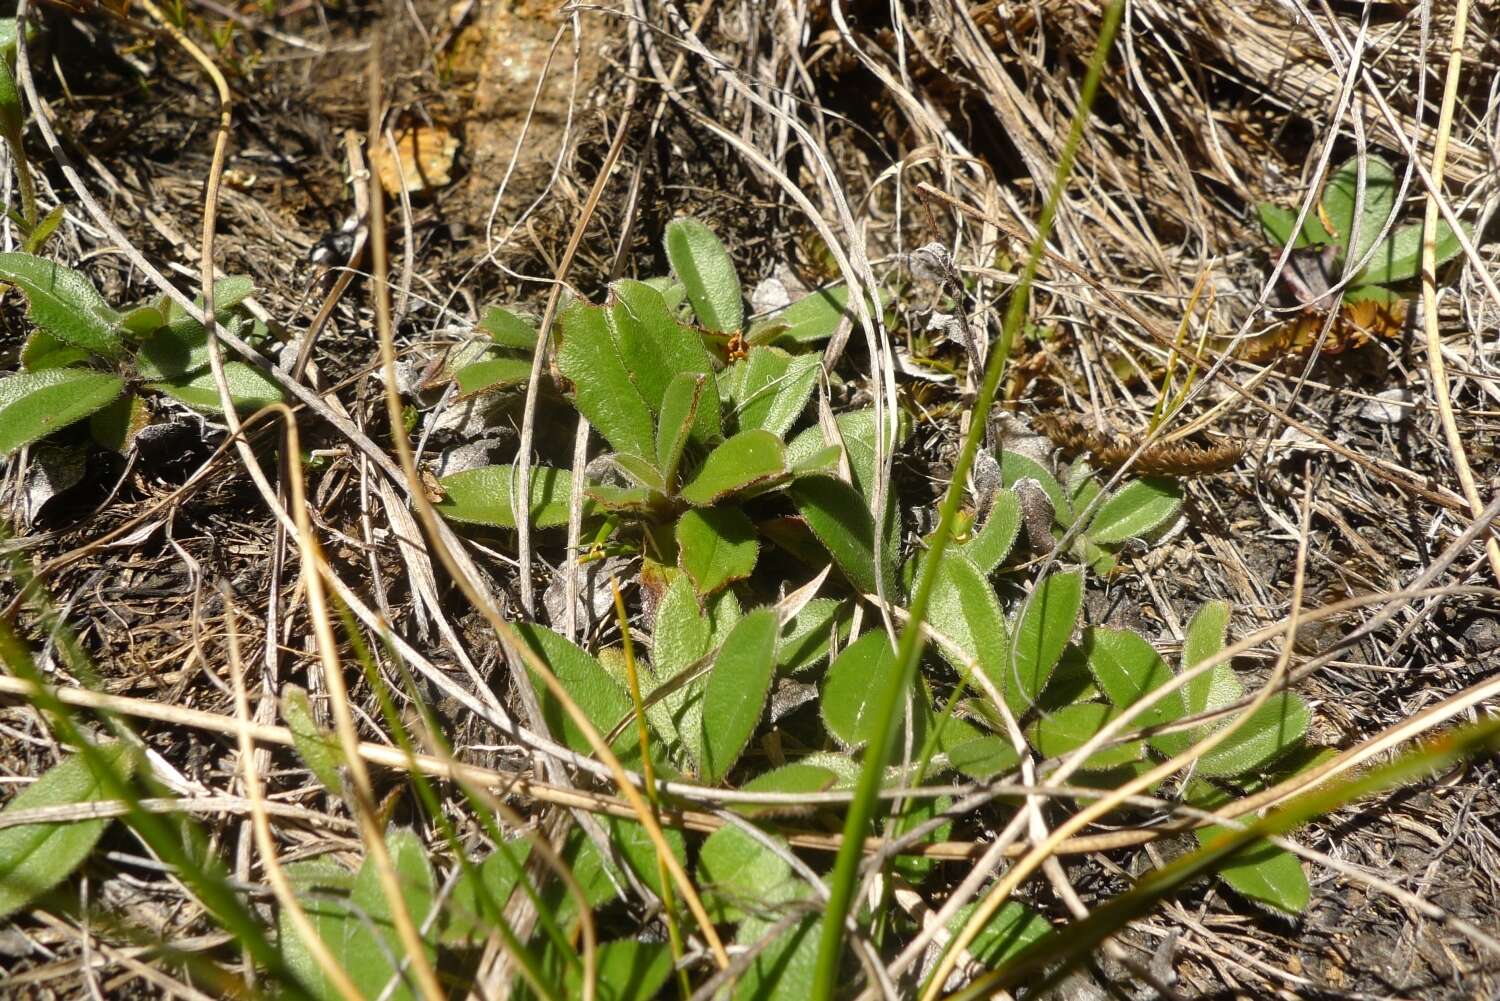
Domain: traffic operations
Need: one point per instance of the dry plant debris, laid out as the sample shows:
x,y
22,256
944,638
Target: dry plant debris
x,y
494,592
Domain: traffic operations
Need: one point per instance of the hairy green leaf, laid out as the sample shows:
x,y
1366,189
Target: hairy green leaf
x,y
492,373
679,410
1012,929
1273,729
988,546
656,347
794,779
248,388
850,690
813,318
34,404
735,693
64,303
740,876
1340,195
1263,874
805,637
483,496
318,749
840,519
603,388
508,329
1042,633
36,857
628,970
705,269
1065,730
750,460
1127,668
716,547
769,388
1136,509
783,970
963,608
601,699
42,350
116,425
481,891
1399,257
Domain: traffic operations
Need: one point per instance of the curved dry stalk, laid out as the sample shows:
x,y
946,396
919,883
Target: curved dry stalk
x,y
1435,365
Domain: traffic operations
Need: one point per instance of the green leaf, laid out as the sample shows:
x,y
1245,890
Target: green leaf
x,y
116,426
704,267
865,668
916,868
600,698
1339,197
810,319
805,637
1276,223
1045,627
993,542
656,347
740,876
840,519
34,404
1263,874
856,430
481,891
492,373
679,411
793,779
36,857
318,749
783,970
248,388
749,460
628,970
603,389
42,350
1015,467
1127,668
352,916
769,388
735,693
627,839
716,547
983,757
1067,729
482,496
64,303
508,329
1011,930
1203,638
1136,509
1273,729
680,637
1399,258
962,607
173,351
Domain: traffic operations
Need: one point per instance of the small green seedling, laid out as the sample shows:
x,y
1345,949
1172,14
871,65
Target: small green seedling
x,y
86,360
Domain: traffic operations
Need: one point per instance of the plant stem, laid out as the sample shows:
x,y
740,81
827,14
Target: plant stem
x,y
909,649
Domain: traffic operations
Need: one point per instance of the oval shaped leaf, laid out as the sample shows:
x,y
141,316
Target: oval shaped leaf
x,y
248,388
656,347
840,519
600,698
508,329
736,691
492,373
679,409
1064,731
963,608
36,857
1271,731
769,389
1399,258
716,547
34,404
1138,508
64,303
318,749
812,318
1127,668
603,389
794,779
750,460
1045,627
741,876
994,540
1341,193
865,668
705,269
482,496
1263,874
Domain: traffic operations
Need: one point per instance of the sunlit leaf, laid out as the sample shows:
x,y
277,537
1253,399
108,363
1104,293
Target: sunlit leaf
x,y
1341,193
994,540
1263,874
749,460
1128,668
508,329
248,388
1135,510
480,893
601,699
492,373
1013,927
716,547
318,749
1271,731
1015,467
64,303
769,389
783,971
679,409
812,318
855,680
740,876
36,857
483,496
805,638
840,519
735,693
1045,627
1065,730
705,269
794,779
34,404
1399,257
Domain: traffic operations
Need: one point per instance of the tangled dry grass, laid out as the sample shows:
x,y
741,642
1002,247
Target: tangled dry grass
x,y
818,141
